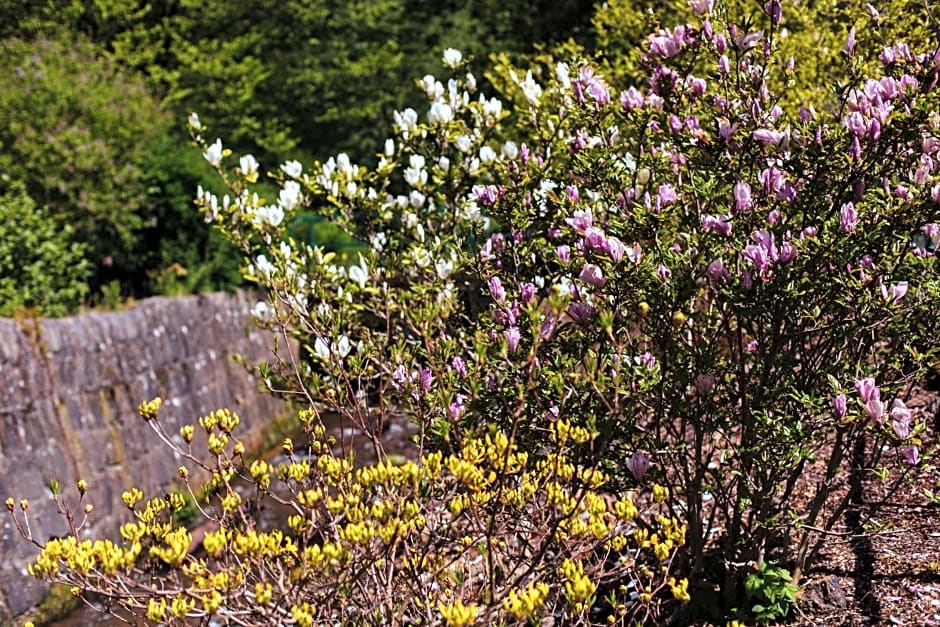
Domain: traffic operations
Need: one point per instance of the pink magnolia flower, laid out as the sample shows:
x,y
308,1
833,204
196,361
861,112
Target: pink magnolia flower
x,y
768,136
742,196
592,85
717,224
594,239
701,7
875,410
592,275
527,292
910,454
614,248
747,41
581,221
426,379
496,289
900,419
667,194
638,464
580,312
850,42
631,99
839,405
456,408
716,270
512,338
894,293
849,218
867,389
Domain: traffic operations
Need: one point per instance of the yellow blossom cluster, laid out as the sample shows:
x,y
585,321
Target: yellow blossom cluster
x,y
418,538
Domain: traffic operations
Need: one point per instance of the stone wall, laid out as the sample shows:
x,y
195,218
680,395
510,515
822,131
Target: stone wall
x,y
69,389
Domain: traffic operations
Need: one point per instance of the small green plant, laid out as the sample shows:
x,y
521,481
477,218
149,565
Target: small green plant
x,y
110,297
772,590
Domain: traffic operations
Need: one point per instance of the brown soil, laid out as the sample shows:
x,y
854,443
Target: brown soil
x,y
881,566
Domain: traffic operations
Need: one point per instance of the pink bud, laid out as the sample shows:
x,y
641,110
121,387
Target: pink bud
x,y
638,464
496,289
512,339
867,389
910,454
839,405
900,419
875,410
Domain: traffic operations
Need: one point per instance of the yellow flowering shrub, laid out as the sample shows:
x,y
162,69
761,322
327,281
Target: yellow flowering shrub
x,y
486,535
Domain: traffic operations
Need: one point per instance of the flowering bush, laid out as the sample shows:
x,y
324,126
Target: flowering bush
x,y
713,291
485,535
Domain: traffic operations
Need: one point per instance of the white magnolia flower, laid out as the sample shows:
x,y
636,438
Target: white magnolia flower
x,y
452,58
406,120
487,154
563,74
440,113
213,154
471,211
378,241
422,257
290,195
292,169
433,88
321,349
194,124
443,163
492,107
471,81
249,167
444,268
414,177
464,143
531,89
389,147
272,214
262,311
416,199
344,165
265,267
510,150
359,274
343,346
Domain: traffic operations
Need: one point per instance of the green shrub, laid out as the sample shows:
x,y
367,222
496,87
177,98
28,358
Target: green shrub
x,y
75,130
42,268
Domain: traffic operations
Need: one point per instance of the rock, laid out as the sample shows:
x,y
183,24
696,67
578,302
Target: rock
x,y
823,596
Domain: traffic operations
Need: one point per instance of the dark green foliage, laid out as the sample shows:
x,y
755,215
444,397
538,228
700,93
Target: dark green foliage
x,y
299,78
177,252
41,267
74,128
